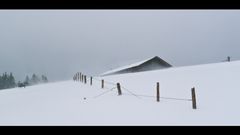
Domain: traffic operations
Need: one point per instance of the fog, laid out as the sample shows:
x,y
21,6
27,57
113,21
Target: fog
x,y
59,43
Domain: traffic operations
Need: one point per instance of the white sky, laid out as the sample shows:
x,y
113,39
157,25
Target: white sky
x,y
59,43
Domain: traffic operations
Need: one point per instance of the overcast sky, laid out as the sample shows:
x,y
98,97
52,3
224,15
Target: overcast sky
x,y
59,43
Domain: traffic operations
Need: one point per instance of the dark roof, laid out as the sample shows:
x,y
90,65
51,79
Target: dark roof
x,y
153,59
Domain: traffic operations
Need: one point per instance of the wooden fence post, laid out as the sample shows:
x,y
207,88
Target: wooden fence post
x,y
158,92
119,89
85,79
91,80
80,79
194,104
102,83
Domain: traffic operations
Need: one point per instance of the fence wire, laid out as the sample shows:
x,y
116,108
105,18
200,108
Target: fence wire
x,y
104,92
126,89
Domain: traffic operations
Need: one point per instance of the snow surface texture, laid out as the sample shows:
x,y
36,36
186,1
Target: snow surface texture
x,y
75,103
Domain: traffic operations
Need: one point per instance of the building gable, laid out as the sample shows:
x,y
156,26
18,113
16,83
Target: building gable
x,y
150,64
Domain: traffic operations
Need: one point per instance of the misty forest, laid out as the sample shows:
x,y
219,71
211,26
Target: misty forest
x,y
8,81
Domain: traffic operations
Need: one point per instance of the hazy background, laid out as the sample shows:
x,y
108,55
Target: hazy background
x,y
59,43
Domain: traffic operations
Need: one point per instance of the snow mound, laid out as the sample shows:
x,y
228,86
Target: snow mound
x,y
75,103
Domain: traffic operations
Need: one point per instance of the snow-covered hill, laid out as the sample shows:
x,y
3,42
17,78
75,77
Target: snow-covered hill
x,y
75,103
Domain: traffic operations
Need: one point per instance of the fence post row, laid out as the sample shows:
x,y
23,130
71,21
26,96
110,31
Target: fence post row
x,y
119,89
194,104
83,78
158,92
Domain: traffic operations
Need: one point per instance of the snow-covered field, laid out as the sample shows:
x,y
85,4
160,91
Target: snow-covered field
x,y
62,103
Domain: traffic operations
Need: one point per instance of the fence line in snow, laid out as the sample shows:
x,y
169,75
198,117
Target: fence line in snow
x,y
84,79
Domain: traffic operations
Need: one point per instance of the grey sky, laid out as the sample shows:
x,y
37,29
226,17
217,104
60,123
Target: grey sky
x,y
59,43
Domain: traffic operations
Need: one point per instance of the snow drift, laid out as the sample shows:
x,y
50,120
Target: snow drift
x,y
75,103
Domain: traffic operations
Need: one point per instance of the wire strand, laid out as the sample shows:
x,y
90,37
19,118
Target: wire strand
x,y
104,93
131,93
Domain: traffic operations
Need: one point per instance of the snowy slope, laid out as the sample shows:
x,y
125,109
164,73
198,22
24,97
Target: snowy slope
x,y
62,103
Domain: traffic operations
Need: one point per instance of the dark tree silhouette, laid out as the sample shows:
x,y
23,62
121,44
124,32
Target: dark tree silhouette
x,y
27,81
7,81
